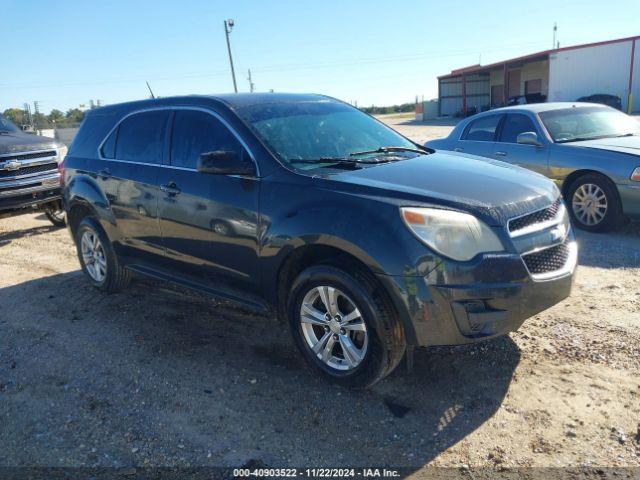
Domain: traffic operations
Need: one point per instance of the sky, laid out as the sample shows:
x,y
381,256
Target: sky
x,y
65,52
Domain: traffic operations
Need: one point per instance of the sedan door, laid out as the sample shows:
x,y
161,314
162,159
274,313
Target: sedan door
x,y
209,222
507,148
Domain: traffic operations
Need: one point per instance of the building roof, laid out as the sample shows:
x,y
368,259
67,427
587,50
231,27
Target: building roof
x,y
533,56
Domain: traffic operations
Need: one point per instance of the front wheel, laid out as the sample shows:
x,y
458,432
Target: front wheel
x,y
343,327
56,215
594,203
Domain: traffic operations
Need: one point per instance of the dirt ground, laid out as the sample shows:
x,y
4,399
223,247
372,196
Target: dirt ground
x,y
156,376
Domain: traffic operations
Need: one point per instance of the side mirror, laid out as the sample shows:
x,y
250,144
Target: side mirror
x,y
222,162
529,138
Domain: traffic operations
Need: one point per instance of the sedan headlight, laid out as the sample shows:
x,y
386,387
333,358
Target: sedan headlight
x,y
456,235
635,176
62,152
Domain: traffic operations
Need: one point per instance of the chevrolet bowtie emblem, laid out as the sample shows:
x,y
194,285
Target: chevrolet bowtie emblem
x,y
12,165
558,233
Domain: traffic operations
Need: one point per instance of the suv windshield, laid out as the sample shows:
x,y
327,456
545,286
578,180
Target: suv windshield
x,y
588,123
320,131
6,125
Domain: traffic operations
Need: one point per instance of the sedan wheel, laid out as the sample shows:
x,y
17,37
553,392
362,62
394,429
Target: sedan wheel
x,y
333,328
595,203
93,256
589,204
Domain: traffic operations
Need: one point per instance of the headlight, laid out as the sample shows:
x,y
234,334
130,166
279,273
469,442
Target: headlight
x,y
456,235
62,152
636,175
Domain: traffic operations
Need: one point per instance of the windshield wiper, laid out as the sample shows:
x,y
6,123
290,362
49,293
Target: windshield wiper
x,y
350,161
389,150
581,139
625,135
595,137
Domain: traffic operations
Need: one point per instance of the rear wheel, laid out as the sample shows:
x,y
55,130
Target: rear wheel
x,y
594,203
343,327
97,258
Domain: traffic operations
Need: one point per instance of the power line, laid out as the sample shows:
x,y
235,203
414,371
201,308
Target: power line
x,y
275,68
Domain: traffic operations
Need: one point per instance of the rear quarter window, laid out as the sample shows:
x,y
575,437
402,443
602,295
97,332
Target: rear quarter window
x,y
94,128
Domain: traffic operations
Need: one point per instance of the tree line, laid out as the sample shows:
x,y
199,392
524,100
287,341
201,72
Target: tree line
x,y
405,107
55,119
73,117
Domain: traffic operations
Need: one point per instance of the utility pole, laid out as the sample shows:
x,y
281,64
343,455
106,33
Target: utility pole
x,y
36,112
252,86
228,25
28,117
555,35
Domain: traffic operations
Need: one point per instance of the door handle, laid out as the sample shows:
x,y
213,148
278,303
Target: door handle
x,y
104,174
170,189
501,154
458,149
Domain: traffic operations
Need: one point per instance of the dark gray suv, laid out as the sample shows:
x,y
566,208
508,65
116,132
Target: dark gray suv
x,y
304,207
29,177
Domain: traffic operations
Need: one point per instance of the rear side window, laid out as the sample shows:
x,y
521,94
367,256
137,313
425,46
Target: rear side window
x,y
514,125
195,133
482,129
141,137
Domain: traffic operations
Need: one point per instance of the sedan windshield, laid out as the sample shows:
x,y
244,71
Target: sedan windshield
x,y
6,125
588,123
321,132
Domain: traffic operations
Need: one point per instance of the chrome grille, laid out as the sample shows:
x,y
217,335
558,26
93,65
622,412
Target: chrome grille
x,y
548,260
534,218
28,156
30,170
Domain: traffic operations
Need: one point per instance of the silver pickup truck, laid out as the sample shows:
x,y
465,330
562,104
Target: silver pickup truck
x,y
29,176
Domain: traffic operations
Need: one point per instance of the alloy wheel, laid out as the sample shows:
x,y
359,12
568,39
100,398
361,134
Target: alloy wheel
x,y
93,255
589,204
333,328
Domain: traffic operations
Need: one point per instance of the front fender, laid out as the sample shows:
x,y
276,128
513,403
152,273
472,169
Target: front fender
x,y
563,161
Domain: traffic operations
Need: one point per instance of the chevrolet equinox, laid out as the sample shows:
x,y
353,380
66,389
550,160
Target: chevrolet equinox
x,y
367,244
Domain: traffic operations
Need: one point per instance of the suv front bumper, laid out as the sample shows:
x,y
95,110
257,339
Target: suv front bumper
x,y
459,303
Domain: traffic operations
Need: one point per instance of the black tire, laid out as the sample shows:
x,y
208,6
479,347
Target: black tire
x,y
116,277
386,340
56,215
613,216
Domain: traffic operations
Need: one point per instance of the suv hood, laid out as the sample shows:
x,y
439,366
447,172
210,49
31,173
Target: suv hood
x,y
628,145
492,190
16,142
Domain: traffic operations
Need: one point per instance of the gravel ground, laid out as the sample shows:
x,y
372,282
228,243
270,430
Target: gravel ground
x,y
156,376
